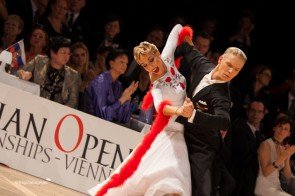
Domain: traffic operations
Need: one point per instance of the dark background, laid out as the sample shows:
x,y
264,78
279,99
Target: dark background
x,y
273,34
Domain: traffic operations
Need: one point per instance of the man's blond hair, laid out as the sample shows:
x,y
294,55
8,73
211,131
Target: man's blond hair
x,y
237,52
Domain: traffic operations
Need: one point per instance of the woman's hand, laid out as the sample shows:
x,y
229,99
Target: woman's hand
x,y
288,151
186,110
128,92
24,75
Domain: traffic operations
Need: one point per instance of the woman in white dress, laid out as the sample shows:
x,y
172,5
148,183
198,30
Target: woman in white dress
x,y
274,157
163,168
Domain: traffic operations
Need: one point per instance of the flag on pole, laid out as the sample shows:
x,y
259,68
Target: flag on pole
x,y
18,54
5,58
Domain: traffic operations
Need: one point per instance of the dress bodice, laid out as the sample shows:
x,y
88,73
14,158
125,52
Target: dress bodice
x,y
170,86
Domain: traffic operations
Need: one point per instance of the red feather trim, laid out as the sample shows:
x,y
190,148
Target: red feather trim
x,y
147,101
132,164
186,31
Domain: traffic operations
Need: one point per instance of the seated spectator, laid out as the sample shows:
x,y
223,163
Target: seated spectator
x,y
242,36
105,96
77,21
242,95
245,137
285,99
55,22
108,38
79,61
37,43
202,42
274,156
13,27
31,11
99,65
58,82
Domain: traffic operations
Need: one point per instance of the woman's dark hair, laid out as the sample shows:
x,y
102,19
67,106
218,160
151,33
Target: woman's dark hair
x,y
42,28
285,120
59,42
113,17
113,54
260,69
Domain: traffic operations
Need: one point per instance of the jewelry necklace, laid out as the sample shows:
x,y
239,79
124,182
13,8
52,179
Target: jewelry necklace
x,y
276,141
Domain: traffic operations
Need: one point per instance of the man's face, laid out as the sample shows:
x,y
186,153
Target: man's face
x,y
156,37
229,65
255,112
77,5
202,44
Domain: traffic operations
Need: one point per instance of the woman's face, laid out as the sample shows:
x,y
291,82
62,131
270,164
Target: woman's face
x,y
112,28
282,131
11,27
79,57
60,9
119,64
264,77
38,39
61,57
152,63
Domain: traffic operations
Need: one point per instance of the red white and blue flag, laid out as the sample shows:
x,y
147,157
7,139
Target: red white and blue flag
x,y
18,54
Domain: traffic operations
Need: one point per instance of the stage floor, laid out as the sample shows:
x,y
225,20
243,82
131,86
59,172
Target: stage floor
x,y
17,183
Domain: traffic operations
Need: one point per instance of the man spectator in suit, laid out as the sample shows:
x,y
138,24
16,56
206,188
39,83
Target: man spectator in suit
x,y
246,135
76,20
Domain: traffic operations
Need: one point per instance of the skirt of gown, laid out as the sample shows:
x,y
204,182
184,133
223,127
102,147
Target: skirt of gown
x,y
163,169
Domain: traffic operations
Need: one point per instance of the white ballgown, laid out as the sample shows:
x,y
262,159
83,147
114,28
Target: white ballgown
x,y
165,167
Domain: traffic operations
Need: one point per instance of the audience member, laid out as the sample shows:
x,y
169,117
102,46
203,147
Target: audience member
x,y
76,20
13,27
58,82
99,64
37,43
257,88
274,156
285,100
105,96
245,137
79,61
31,11
202,42
242,36
55,22
109,38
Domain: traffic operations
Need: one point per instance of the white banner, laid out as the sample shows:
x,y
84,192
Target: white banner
x,y
55,142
